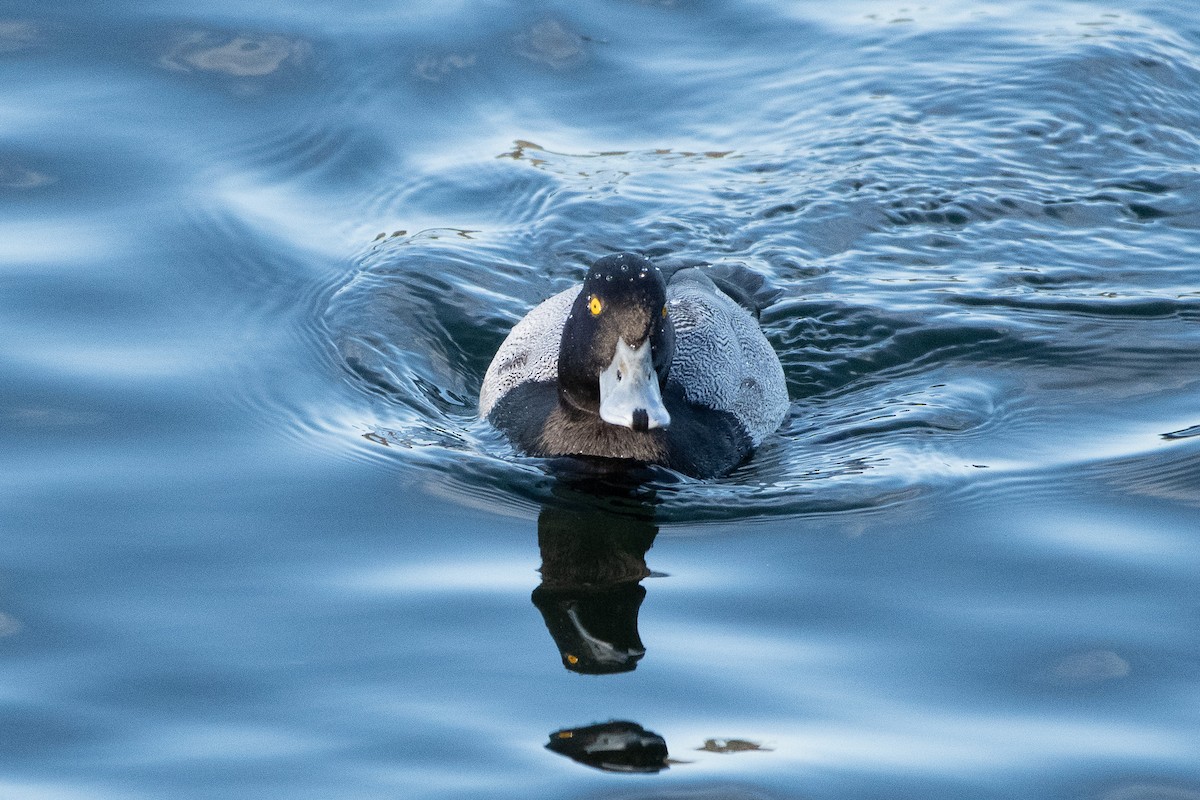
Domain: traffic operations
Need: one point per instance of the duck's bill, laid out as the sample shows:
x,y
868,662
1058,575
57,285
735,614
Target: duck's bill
x,y
629,393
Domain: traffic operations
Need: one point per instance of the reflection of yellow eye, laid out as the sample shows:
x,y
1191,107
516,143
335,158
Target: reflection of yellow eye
x,y
595,306
664,312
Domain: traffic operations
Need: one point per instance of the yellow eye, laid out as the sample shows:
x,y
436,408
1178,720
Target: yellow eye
x,y
664,312
595,306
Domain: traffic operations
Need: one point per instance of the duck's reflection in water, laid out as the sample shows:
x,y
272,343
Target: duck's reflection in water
x,y
615,746
593,539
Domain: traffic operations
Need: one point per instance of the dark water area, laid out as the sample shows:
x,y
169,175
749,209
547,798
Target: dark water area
x,y
254,261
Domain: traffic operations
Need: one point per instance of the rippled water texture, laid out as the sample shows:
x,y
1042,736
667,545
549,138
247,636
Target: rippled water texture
x,y
255,261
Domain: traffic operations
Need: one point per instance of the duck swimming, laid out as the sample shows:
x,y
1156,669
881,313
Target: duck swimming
x,y
630,365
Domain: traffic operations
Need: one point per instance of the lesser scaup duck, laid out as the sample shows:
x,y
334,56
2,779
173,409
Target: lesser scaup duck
x,y
630,366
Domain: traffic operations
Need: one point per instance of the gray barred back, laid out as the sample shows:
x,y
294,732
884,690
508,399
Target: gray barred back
x,y
530,352
722,360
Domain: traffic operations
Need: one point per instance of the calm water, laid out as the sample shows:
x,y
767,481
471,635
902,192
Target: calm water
x,y
255,258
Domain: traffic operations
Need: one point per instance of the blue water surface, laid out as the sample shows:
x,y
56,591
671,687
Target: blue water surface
x,y
254,261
